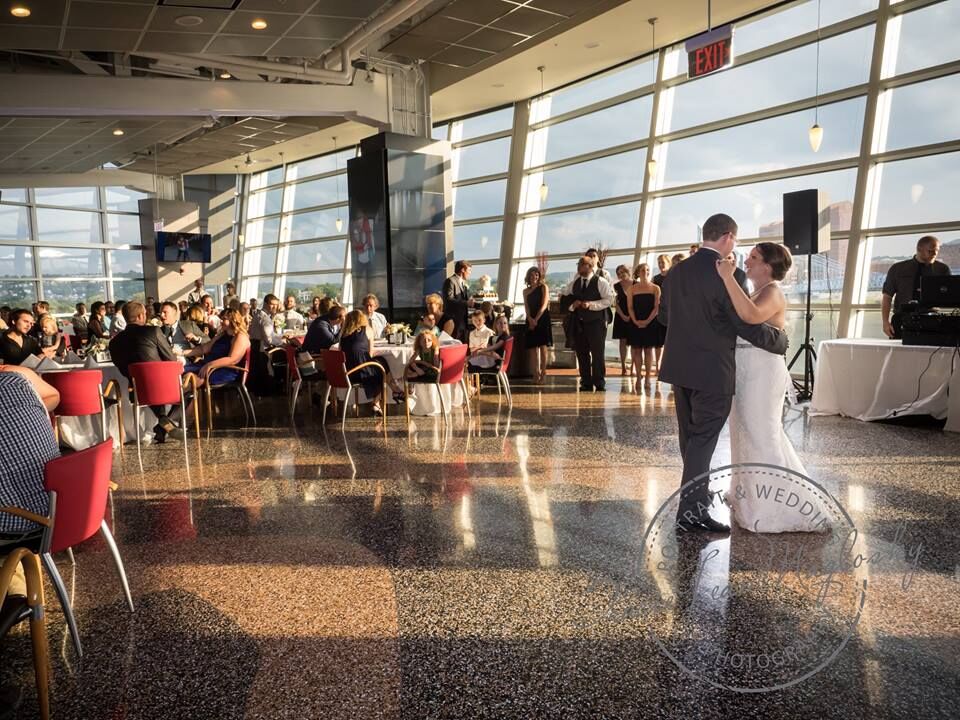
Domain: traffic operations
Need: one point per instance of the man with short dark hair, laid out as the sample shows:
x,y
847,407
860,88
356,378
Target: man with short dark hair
x,y
588,296
80,322
903,282
324,332
594,256
456,298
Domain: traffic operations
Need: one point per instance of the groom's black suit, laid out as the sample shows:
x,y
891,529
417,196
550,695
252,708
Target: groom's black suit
x,y
699,361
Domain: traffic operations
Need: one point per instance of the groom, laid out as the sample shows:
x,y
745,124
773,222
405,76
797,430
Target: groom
x,y
699,359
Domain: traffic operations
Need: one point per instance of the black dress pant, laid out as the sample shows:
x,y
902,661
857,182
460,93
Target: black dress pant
x,y
701,415
589,346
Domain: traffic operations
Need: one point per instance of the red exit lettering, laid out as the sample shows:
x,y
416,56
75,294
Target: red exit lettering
x,y
709,58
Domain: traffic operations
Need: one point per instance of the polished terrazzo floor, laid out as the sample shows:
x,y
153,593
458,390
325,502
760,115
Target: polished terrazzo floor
x,y
491,571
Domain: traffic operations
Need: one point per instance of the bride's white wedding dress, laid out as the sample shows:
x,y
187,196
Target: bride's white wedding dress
x,y
757,436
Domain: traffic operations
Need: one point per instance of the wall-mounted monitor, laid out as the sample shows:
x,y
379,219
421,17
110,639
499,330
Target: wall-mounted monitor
x,y
182,247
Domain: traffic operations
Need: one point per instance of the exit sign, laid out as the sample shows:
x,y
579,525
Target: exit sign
x,y
710,52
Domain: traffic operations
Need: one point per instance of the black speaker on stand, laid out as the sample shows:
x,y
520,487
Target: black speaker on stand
x,y
806,231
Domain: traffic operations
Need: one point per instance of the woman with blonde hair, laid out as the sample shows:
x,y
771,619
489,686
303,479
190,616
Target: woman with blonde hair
x,y
355,345
228,347
644,304
51,339
434,304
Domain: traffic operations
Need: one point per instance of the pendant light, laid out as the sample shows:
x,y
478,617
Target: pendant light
x,y
652,158
544,188
816,132
336,167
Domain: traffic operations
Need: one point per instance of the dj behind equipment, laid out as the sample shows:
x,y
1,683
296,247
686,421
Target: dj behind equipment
x,y
935,319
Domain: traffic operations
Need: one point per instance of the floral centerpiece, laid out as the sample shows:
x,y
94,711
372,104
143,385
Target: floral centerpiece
x,y
279,322
397,333
155,322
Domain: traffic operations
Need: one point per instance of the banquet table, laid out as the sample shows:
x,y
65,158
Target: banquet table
x,y
870,379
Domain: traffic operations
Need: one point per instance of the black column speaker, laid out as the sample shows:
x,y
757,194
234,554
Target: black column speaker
x,y
806,222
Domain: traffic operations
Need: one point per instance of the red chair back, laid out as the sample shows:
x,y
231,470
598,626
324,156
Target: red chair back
x,y
335,364
507,353
80,392
81,481
453,359
292,366
156,382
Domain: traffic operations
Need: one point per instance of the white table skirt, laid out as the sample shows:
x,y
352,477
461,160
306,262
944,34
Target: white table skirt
x,y
870,379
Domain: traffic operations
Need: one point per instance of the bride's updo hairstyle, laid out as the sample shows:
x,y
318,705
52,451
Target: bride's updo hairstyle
x,y
777,256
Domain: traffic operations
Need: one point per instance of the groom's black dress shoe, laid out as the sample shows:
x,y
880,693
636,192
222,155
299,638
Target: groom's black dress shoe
x,y
704,524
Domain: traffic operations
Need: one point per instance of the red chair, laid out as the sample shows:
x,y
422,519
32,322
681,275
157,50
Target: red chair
x,y
338,378
78,485
503,382
296,378
453,362
80,395
240,385
159,382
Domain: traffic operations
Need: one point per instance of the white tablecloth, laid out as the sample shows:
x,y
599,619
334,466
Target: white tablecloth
x,y
871,379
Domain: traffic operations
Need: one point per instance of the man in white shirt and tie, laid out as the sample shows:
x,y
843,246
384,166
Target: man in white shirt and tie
x,y
587,298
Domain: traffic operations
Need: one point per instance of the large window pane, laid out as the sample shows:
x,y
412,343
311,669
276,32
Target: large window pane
x,y
757,208
123,199
477,273
928,36
13,195
304,287
79,197
18,294
441,131
773,144
793,21
327,255
14,223
924,113
320,165
262,232
486,124
486,158
608,85
67,226
16,261
826,276
920,190
127,290
126,263
617,125
260,180
480,241
324,191
63,295
267,202
260,261
480,200
599,179
123,229
822,327
613,226
316,224
256,288
775,80
70,262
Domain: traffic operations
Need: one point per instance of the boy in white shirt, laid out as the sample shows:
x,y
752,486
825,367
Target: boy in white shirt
x,y
480,358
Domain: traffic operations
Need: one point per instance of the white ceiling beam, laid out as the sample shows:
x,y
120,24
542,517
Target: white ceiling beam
x,y
139,180
70,96
85,64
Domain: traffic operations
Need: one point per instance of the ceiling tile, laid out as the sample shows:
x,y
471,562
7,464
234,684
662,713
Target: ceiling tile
x,y
460,56
301,47
526,21
173,42
103,15
443,28
478,11
165,19
310,26
564,7
35,38
239,45
108,40
45,12
239,24
228,4
348,8
291,6
492,40
415,47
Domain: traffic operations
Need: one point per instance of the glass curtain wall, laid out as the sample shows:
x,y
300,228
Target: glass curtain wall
x,y
70,245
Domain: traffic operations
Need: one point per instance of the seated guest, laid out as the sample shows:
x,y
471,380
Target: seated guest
x,y
355,344
52,343
198,318
486,308
434,305
183,306
427,322
108,318
210,313
119,322
228,347
315,312
501,326
376,321
79,321
293,320
26,444
480,358
39,309
263,334
424,365
140,342
182,334
97,329
4,315
16,343
324,332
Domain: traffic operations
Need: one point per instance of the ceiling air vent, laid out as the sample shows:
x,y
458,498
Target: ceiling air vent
x,y
202,4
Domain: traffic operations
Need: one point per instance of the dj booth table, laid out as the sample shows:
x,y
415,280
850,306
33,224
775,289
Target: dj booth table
x,y
872,379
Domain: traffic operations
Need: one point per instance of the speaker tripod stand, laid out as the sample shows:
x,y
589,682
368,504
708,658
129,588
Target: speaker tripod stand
x,y
805,388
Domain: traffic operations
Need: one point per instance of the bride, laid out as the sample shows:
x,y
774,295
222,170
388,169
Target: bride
x,y
756,429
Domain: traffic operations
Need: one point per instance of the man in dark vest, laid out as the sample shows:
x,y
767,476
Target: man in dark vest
x,y
456,298
587,297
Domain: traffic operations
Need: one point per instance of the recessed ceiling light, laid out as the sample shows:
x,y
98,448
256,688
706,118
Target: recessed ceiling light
x,y
189,20
224,75
20,11
259,24
118,132
592,45
497,85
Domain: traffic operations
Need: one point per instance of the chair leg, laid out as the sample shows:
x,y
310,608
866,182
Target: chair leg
x,y
466,397
120,431
108,536
196,413
253,412
346,406
246,410
38,634
73,560
506,387
443,406
183,415
326,399
136,421
406,402
64,599
103,425
294,393
209,405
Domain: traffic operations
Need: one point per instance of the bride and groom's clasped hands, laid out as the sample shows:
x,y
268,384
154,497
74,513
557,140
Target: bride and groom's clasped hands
x,y
724,356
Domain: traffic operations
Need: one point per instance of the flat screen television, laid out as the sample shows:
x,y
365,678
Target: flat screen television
x,y
182,247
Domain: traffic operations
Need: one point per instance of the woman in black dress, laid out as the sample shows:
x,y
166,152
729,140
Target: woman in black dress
x,y
644,299
663,262
621,319
355,344
536,302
